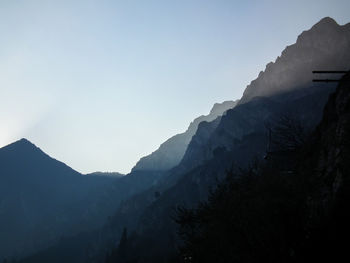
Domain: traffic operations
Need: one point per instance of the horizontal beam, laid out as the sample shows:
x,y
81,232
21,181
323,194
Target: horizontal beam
x,y
331,71
326,80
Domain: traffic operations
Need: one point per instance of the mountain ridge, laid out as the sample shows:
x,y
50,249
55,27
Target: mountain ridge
x,y
314,54
289,77
23,146
170,153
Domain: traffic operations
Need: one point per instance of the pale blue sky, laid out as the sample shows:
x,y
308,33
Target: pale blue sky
x,y
99,84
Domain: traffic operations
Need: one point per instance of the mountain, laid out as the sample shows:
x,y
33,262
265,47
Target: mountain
x,y
37,196
170,153
295,201
43,200
324,47
284,91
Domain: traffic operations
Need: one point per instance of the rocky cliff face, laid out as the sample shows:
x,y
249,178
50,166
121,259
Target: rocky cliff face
x,y
332,152
170,153
324,47
285,87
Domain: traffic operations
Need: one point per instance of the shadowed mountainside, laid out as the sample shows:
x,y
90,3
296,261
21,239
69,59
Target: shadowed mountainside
x,y
308,185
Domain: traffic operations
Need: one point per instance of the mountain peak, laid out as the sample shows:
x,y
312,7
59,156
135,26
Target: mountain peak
x,y
323,46
327,27
219,108
24,141
23,145
326,21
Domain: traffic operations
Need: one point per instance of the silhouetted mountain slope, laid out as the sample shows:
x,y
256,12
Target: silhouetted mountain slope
x,y
155,227
170,153
42,199
271,214
241,133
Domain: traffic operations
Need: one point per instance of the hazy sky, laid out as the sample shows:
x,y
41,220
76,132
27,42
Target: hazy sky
x,y
99,84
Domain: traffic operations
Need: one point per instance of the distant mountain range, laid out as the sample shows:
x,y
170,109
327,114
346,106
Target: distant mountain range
x,y
111,174
170,153
180,172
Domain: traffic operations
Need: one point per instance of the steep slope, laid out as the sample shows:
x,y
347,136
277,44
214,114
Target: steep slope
x,y
324,47
170,153
239,220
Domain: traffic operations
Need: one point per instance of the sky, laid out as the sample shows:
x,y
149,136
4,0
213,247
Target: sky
x,y
98,84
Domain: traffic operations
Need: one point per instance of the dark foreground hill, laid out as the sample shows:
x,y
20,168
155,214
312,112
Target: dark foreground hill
x,y
43,200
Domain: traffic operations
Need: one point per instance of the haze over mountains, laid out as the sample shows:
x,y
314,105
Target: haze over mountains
x,y
50,200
